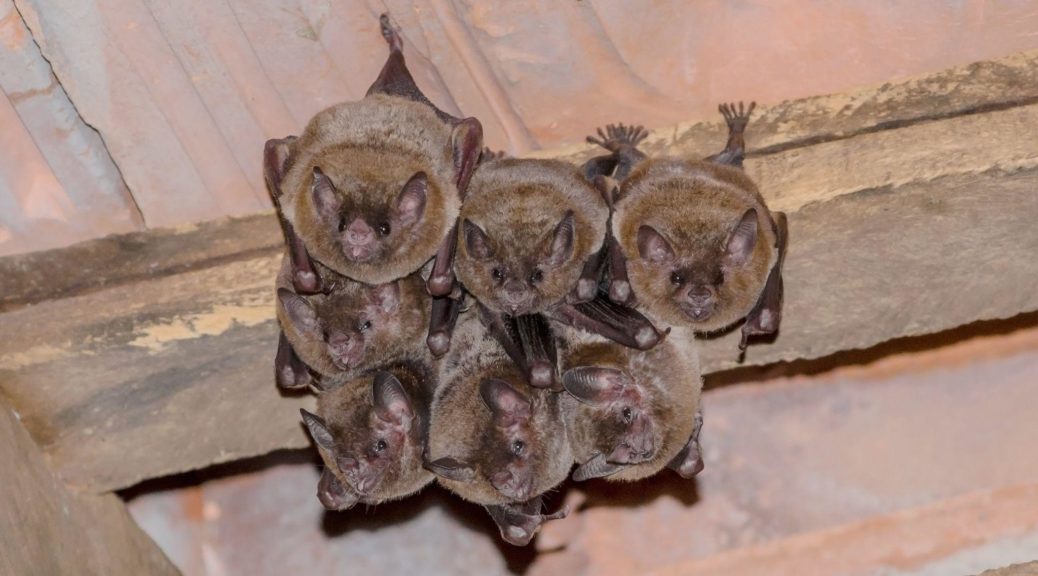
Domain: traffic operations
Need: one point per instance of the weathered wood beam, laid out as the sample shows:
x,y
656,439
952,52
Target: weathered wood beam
x,y
897,228
50,530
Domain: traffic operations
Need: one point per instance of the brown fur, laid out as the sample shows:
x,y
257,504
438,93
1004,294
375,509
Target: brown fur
x,y
347,305
518,203
668,382
461,425
349,417
369,150
695,205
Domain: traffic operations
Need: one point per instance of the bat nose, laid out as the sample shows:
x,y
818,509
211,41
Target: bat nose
x,y
359,233
700,295
515,292
341,344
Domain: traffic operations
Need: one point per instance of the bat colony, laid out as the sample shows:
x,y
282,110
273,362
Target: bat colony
x,y
495,324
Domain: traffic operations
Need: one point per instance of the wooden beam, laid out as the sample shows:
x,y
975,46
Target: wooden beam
x,y
50,530
897,228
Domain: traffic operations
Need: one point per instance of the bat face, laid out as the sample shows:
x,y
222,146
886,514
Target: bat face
x,y
624,417
511,440
527,227
629,412
369,436
517,278
345,327
703,282
357,219
698,241
493,439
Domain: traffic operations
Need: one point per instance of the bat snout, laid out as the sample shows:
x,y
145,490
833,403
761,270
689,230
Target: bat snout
x,y
359,241
345,349
699,302
515,486
516,297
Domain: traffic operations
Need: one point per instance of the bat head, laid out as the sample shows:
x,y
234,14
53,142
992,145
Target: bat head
x,y
372,444
516,278
527,227
625,423
708,283
373,187
351,326
366,220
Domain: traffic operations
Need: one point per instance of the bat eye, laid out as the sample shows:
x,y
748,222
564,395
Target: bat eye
x,y
365,326
517,447
676,279
628,414
536,277
384,229
342,223
498,274
380,446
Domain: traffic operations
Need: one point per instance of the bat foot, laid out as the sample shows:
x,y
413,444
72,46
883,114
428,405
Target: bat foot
x,y
736,117
396,43
439,343
615,136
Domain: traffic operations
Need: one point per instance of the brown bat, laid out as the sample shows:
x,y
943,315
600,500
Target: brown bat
x,y
494,440
371,433
373,188
701,249
528,229
349,331
630,413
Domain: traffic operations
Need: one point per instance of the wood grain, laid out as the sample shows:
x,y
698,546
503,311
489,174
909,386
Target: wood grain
x,y
49,529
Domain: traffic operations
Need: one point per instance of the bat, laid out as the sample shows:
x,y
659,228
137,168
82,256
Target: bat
x,y
373,188
371,433
528,228
493,440
700,246
630,413
351,330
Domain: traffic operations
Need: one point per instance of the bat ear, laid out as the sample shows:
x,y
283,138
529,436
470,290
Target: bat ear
x,y
476,241
562,241
391,401
596,467
450,468
594,385
466,147
652,246
410,203
742,239
275,158
386,297
318,430
333,494
299,310
325,198
508,406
